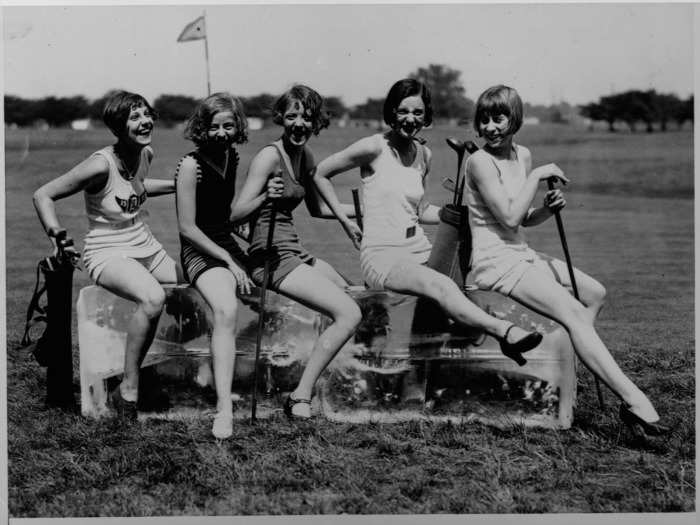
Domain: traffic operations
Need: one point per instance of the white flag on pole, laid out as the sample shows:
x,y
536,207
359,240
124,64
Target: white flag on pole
x,y
193,31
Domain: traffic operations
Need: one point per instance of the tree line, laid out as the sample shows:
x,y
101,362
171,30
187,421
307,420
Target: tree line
x,y
449,103
635,106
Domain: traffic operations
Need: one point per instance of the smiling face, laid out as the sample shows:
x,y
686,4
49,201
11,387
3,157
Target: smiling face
x,y
139,126
495,129
222,129
409,116
298,123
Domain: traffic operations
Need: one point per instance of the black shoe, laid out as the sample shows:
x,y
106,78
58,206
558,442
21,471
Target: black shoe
x,y
514,350
290,402
126,410
638,426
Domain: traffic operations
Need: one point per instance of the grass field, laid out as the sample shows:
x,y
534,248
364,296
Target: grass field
x,y
629,222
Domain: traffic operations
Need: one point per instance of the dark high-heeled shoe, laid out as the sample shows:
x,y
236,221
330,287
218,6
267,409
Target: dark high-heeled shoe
x,y
290,402
639,427
515,350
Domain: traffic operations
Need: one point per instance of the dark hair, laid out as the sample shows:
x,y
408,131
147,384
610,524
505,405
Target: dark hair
x,y
310,99
118,107
198,124
408,87
500,100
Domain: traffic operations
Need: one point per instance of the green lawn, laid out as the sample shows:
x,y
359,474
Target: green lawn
x,y
629,222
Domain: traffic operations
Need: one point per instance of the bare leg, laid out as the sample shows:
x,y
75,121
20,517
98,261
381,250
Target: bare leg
x,y
330,272
127,278
312,288
591,292
218,287
416,279
539,291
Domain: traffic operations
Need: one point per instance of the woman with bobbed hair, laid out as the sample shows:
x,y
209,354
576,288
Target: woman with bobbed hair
x,y
212,260
279,178
120,252
394,249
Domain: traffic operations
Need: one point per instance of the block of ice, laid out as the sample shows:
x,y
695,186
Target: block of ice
x,y
406,360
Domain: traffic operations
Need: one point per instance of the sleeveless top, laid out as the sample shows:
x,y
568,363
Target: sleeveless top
x,y
285,234
487,232
214,193
120,200
393,197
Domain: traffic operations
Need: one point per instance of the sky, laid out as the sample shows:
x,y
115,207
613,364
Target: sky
x,y
548,52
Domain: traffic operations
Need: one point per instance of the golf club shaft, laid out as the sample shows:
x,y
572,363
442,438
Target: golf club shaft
x,y
570,267
358,209
459,184
261,315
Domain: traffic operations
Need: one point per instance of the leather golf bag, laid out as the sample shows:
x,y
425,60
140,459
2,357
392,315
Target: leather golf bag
x,y
54,348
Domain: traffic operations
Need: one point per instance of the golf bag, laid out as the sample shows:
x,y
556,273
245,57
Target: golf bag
x,y
54,348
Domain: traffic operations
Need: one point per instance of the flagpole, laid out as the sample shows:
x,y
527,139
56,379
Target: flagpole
x,y
206,51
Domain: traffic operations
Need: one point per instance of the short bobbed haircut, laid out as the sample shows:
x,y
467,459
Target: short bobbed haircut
x,y
307,97
117,109
198,124
500,100
407,87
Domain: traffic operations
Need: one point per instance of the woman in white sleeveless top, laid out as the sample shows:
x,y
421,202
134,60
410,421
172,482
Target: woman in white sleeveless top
x,y
501,186
393,246
120,252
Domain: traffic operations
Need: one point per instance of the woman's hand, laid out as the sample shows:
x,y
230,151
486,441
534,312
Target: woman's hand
x,y
549,172
554,200
242,279
275,186
354,232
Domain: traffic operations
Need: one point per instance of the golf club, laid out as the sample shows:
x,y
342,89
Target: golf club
x,y
261,315
459,146
570,267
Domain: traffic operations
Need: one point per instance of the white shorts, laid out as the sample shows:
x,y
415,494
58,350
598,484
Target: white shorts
x,y
376,263
132,240
503,275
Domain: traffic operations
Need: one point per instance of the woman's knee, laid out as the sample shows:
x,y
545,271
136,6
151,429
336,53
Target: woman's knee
x,y
576,317
152,300
225,314
348,315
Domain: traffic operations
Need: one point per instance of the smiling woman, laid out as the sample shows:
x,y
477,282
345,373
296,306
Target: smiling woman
x,y
121,254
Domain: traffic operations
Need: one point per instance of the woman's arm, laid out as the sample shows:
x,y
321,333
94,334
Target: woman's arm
x,y
186,207
253,195
314,201
156,187
359,154
510,212
428,213
553,202
91,174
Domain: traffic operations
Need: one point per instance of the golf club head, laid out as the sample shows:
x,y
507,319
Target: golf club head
x,y
448,184
471,147
457,145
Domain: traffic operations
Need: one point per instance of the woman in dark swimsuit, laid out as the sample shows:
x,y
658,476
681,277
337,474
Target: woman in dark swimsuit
x,y
279,178
212,260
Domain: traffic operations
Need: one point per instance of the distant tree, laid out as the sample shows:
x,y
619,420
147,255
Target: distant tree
x,y
372,108
447,91
20,111
599,111
335,106
174,108
61,111
685,111
666,106
259,106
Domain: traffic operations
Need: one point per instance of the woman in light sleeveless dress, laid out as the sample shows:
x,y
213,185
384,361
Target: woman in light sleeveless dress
x,y
501,186
279,179
393,247
120,252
